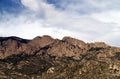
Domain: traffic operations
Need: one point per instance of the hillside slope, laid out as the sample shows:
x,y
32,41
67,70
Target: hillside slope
x,y
48,58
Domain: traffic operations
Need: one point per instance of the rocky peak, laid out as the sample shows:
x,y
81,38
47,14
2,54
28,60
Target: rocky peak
x,y
10,45
74,41
68,58
41,41
68,46
98,45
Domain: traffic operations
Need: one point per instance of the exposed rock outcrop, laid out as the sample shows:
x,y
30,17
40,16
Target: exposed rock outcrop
x,y
75,42
68,46
48,58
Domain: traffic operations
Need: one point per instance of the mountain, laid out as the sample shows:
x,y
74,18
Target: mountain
x,y
48,58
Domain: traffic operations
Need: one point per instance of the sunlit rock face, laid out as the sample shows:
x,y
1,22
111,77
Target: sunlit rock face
x,y
68,46
48,58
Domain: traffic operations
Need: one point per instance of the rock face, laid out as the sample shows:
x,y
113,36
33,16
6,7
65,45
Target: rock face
x,y
15,45
75,42
98,45
66,47
11,45
41,41
48,58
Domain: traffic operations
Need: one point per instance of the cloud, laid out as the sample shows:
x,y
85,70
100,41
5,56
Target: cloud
x,y
110,17
88,6
88,20
32,4
27,26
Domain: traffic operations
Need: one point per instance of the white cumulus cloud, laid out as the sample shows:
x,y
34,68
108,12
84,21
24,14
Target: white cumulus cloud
x,y
88,20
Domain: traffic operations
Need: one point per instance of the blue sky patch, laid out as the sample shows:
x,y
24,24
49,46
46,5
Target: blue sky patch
x,y
10,6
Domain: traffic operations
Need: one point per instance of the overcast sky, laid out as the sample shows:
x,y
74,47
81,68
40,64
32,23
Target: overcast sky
x,y
88,20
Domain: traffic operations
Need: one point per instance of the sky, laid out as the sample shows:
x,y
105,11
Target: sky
x,y
87,20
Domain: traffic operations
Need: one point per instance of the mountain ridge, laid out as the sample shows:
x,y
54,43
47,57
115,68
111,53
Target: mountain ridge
x,y
15,45
48,58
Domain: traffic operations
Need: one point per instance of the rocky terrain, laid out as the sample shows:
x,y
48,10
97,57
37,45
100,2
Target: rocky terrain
x,y
48,58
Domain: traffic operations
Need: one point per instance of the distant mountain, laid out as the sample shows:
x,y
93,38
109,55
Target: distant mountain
x,y
48,58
